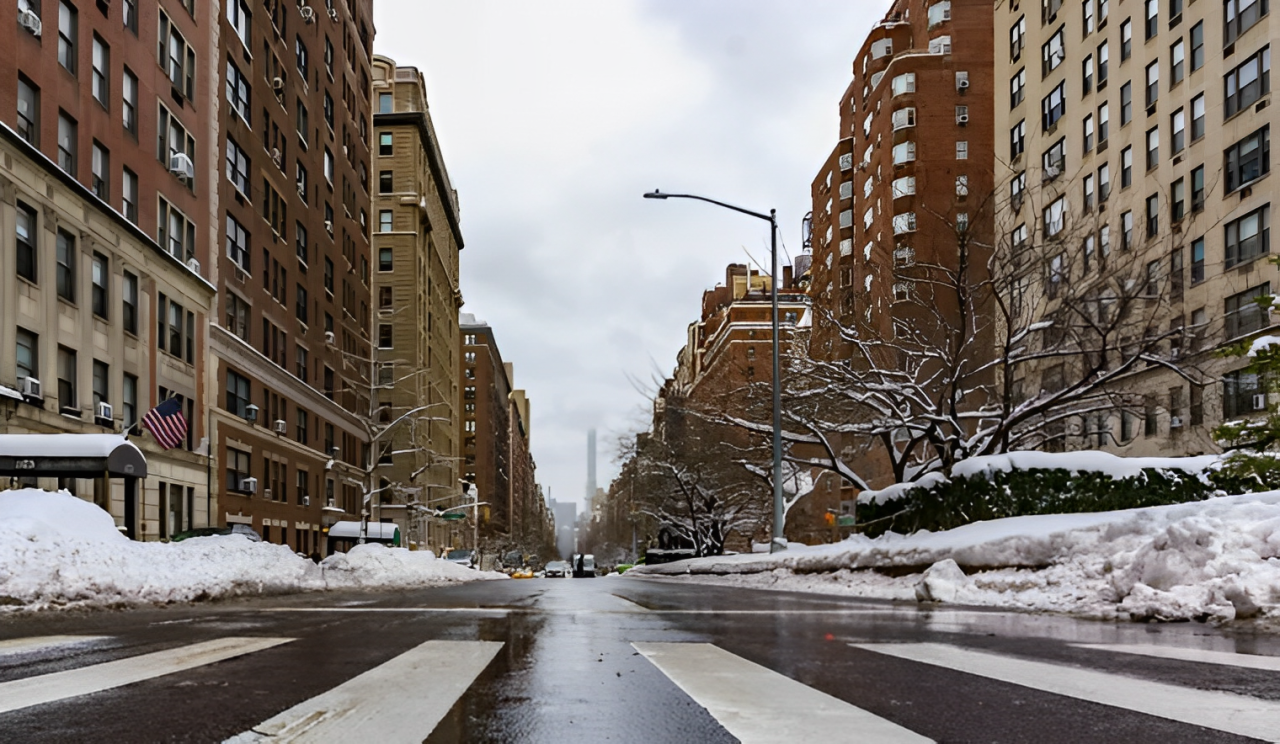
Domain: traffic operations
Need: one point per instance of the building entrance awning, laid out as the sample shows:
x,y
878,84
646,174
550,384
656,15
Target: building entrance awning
x,y
70,456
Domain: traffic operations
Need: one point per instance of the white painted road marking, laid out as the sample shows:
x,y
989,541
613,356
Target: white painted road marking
x,y
402,700
1224,658
48,688
761,706
1221,711
41,643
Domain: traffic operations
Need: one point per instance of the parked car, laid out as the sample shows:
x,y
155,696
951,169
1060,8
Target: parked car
x,y
235,529
522,573
465,557
557,570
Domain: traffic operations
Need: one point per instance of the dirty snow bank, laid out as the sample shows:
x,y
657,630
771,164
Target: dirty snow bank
x,y
57,550
1216,559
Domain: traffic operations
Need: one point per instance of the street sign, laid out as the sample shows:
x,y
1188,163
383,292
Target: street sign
x,y
845,520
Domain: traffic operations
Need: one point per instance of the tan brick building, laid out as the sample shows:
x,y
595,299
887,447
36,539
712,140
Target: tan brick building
x,y
415,286
105,190
1144,126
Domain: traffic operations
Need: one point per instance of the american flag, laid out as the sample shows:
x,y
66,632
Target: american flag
x,y
166,423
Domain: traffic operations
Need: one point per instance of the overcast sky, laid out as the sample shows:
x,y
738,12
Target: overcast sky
x,y
554,116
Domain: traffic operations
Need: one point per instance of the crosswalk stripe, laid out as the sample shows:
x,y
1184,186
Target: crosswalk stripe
x,y
41,643
402,700
1221,711
1222,658
759,705
48,688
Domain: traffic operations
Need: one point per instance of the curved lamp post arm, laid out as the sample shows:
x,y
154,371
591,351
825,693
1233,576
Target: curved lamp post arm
x,y
656,194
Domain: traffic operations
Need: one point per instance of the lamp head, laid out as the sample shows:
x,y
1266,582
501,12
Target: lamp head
x,y
655,194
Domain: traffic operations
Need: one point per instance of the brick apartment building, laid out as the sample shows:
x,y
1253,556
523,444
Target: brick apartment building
x,y
1151,140
292,338
909,175
496,453
415,283
109,173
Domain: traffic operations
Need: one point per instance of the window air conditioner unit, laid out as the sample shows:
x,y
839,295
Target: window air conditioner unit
x,y
328,225
308,14
249,485
306,501
1175,422
275,155
1260,402
30,21
266,494
962,84
302,190
251,413
181,166
277,84
104,412
333,14
328,337
962,119
194,265
280,426
31,388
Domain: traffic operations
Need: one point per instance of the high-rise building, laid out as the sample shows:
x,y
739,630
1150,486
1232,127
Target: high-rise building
x,y
1138,133
415,283
292,334
591,465
106,186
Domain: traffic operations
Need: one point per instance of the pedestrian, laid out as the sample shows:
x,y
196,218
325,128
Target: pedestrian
x,y
581,569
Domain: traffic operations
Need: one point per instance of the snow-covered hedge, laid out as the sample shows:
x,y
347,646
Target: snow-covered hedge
x,y
1026,483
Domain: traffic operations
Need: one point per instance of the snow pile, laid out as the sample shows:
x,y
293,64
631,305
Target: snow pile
x,y
1216,559
57,550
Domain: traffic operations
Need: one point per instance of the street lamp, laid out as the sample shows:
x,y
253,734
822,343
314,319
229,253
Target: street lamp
x,y
776,543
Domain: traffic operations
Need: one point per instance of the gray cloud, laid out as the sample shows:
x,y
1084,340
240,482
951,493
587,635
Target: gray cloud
x,y
555,116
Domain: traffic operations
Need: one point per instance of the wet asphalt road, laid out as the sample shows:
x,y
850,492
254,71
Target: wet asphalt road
x,y
567,672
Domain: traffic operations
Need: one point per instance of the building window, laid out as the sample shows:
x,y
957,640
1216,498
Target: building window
x,y
384,143
1248,82
384,220
301,58
1104,64
1153,216
1054,159
1197,260
68,20
1241,15
67,143
237,243
1017,88
129,195
175,233
300,362
1197,117
1017,140
67,381
1126,103
1178,200
385,103
177,58
1177,62
1052,52
100,277
25,229
239,465
904,152
1197,46
1248,160
1178,123
237,167
384,336
129,291
28,111
129,98
100,169
1248,237
1126,231
904,223
1239,391
1086,74
237,316
1243,313
1088,132
1053,106
238,397
384,182
1017,38
238,92
1153,83
384,259
28,355
101,78
1104,182
1197,189
1104,123
129,399
1152,25
1055,217
301,246
1153,147
1126,39
66,273
101,384
962,150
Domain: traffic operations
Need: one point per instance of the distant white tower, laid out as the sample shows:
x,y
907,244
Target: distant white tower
x,y
591,466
